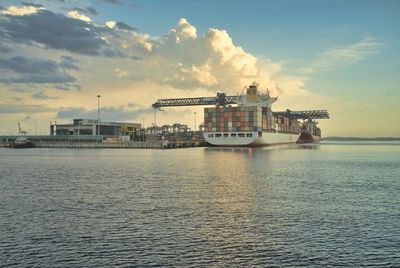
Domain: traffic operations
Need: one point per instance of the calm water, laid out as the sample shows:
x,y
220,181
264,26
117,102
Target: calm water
x,y
327,205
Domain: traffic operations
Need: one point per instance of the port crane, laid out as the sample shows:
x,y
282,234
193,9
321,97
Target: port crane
x,y
20,131
222,100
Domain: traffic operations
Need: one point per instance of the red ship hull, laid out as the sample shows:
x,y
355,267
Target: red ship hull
x,y
308,138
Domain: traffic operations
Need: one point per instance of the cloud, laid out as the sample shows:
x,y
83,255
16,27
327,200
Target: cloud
x,y
111,24
34,70
120,73
68,87
186,60
20,64
42,96
22,11
344,55
115,2
41,78
88,10
123,26
112,52
120,26
68,62
52,30
106,113
5,48
23,108
76,15
31,4
182,59
92,10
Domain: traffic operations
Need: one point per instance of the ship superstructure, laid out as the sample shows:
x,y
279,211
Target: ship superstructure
x,y
248,120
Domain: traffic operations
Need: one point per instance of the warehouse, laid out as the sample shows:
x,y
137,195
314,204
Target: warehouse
x,y
91,127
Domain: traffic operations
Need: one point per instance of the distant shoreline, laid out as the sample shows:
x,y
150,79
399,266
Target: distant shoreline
x,y
361,139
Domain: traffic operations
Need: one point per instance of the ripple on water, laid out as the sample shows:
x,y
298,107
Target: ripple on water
x,y
334,205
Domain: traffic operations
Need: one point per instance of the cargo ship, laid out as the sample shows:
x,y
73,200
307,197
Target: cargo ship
x,y
247,119
249,123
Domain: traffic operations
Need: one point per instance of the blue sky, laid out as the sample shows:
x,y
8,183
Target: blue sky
x,y
338,55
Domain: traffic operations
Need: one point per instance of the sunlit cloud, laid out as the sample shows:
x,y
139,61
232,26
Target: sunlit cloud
x,y
120,73
111,24
21,11
76,15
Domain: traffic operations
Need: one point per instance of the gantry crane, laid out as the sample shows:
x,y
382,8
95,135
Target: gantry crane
x,y
222,100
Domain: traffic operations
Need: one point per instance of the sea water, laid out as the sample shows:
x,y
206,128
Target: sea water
x,y
333,204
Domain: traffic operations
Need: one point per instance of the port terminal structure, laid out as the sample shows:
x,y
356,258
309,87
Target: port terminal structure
x,y
222,100
248,120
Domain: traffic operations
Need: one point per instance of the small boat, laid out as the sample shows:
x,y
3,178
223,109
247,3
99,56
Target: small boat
x,y
22,142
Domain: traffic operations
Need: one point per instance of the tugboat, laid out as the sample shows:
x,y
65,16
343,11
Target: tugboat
x,y
22,142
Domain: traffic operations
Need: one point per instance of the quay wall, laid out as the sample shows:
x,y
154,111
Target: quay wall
x,y
118,145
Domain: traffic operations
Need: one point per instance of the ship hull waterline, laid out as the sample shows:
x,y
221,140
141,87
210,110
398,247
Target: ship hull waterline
x,y
308,138
249,139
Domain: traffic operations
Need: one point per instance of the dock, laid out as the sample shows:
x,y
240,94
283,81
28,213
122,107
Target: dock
x,y
156,144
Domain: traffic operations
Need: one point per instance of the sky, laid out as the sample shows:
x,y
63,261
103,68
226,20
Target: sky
x,y
56,56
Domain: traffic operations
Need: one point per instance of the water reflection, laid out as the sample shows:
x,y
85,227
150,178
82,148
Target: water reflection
x,y
252,151
231,227
297,205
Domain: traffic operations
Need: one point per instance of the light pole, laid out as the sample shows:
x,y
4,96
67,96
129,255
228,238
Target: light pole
x,y
98,114
195,121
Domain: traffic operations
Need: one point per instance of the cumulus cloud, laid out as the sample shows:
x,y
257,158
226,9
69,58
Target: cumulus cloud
x,y
181,59
185,60
344,55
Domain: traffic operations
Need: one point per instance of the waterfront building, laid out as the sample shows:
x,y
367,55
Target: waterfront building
x,y
91,127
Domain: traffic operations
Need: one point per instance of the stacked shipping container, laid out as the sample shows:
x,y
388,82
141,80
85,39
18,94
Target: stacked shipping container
x,y
246,119
232,119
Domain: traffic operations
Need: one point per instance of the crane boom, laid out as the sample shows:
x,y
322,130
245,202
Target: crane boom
x,y
308,114
220,100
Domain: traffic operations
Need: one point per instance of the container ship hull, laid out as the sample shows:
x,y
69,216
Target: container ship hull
x,y
249,139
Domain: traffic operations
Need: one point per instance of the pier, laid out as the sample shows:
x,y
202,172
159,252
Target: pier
x,y
42,142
